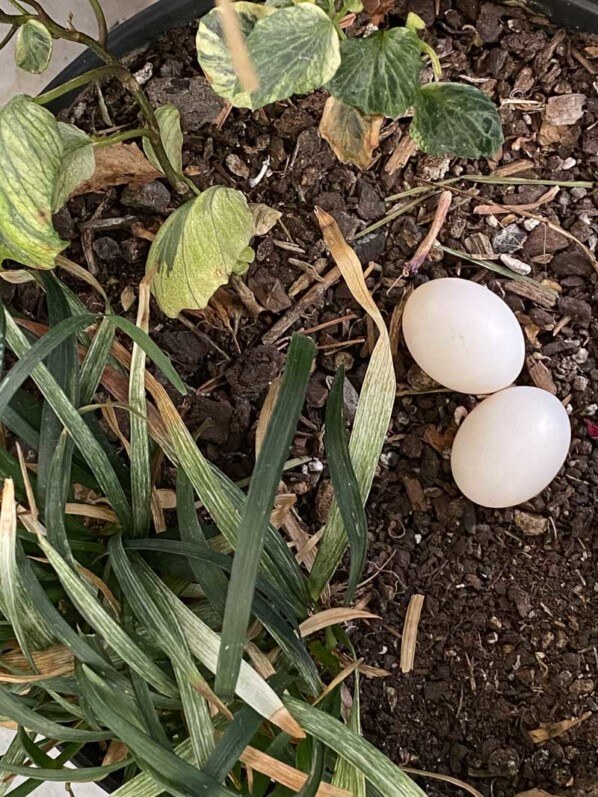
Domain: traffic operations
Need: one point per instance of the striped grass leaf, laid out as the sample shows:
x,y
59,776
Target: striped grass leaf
x,y
78,430
344,481
63,364
16,708
13,755
268,604
17,604
104,624
148,711
58,486
205,646
210,578
379,771
346,775
64,774
139,454
179,777
159,618
316,772
373,411
2,339
95,361
257,510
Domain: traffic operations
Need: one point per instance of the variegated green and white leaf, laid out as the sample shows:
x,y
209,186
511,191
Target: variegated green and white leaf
x,y
294,51
169,122
277,42
31,151
379,74
34,47
214,55
456,119
78,163
198,249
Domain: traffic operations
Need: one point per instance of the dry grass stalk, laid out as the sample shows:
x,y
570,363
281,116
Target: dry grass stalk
x,y
445,779
423,250
53,662
409,642
236,44
284,774
330,617
491,210
550,730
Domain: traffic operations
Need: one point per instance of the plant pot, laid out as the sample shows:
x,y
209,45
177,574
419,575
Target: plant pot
x,y
571,14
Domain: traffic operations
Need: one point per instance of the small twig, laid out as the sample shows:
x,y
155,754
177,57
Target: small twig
x,y
235,41
490,210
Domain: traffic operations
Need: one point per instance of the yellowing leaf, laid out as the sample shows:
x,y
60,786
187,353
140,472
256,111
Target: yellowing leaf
x,y
31,151
169,122
352,135
198,249
34,47
264,218
119,164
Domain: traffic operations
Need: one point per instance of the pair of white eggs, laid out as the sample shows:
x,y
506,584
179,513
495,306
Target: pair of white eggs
x,y
513,443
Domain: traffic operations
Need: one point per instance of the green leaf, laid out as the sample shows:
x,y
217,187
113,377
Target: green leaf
x,y
169,122
294,51
344,481
31,151
198,249
346,775
383,775
456,119
214,55
66,774
34,47
277,41
78,163
256,512
379,74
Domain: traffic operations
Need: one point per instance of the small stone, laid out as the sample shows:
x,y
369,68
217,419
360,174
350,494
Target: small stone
x,y
581,356
570,264
580,383
370,204
64,224
581,687
145,74
577,309
504,762
544,239
518,266
197,103
370,247
530,224
107,249
237,167
565,110
530,524
579,192
149,198
508,240
568,163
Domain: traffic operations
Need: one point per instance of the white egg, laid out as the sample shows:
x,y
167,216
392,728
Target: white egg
x,y
463,336
511,447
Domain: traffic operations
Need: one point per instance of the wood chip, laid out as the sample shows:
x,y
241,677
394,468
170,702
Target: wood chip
x,y
540,375
478,244
415,494
119,164
550,730
535,293
531,525
566,109
409,641
405,150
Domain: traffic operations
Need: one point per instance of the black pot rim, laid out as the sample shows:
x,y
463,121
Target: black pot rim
x,y
581,15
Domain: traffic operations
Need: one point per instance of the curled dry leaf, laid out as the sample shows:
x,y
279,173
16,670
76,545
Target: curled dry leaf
x,y
352,135
330,617
119,164
550,730
409,641
377,9
264,217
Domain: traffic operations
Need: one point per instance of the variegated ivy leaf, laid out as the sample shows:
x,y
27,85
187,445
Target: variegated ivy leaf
x,y
213,53
294,50
78,163
379,74
34,47
31,151
456,119
169,122
198,249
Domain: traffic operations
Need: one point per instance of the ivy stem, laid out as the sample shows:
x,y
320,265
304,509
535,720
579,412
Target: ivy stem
x,y
107,141
94,74
101,21
126,78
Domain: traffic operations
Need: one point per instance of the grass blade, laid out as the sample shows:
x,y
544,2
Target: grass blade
x,y
256,513
65,775
95,361
104,624
346,775
383,775
344,481
141,480
373,411
73,422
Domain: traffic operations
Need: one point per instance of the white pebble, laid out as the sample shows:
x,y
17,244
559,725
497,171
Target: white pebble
x,y
518,266
530,224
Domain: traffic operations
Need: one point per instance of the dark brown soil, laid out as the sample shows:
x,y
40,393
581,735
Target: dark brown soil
x,y
508,637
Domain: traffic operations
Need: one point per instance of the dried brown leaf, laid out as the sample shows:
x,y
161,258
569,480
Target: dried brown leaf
x,y
352,135
119,164
284,774
440,441
378,9
409,642
127,298
330,617
550,730
116,752
264,217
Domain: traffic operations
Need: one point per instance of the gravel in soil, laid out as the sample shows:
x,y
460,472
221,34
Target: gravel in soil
x,y
507,641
